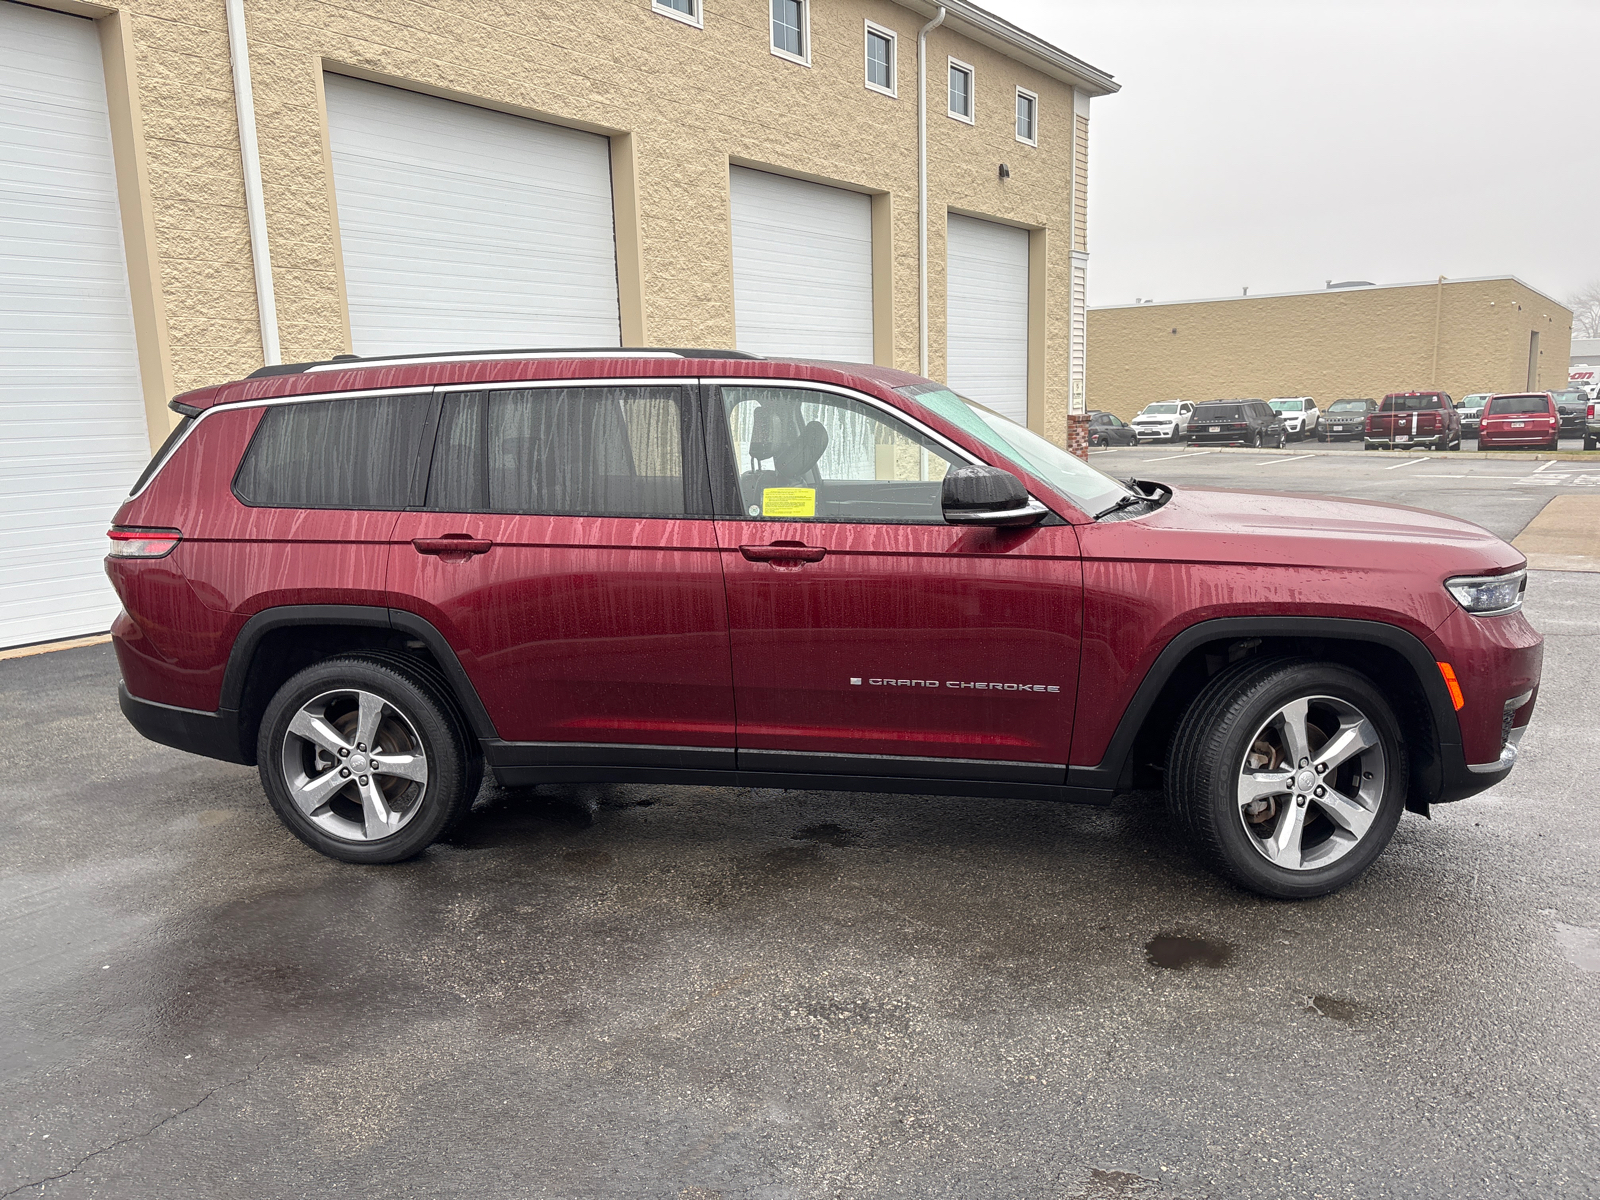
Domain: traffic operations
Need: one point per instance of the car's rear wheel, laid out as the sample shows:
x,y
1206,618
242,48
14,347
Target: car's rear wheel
x,y
364,759
1589,443
1290,775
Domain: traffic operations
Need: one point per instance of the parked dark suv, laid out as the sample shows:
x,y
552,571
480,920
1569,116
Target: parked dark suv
x,y
1237,423
374,579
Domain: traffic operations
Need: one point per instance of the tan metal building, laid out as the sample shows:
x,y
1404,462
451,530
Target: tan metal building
x,y
1458,335
189,188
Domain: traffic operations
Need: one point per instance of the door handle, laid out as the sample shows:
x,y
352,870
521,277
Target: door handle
x,y
452,544
784,552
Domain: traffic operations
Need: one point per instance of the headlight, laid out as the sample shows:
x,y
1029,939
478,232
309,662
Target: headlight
x,y
1489,595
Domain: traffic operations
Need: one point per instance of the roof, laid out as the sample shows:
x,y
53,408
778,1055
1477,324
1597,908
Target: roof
x,y
1340,291
983,27
349,373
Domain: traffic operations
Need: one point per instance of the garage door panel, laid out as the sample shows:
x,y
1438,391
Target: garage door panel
x,y
802,267
463,228
987,314
72,426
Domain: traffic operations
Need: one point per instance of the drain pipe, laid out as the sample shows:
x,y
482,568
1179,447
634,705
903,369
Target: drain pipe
x,y
254,206
922,189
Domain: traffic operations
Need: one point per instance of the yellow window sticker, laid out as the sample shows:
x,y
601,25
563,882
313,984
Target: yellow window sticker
x,y
789,502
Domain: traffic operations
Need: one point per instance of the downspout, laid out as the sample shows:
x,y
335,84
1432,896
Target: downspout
x,y
1438,308
922,189
254,206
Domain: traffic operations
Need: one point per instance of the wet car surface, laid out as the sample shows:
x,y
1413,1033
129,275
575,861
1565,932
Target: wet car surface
x,y
697,992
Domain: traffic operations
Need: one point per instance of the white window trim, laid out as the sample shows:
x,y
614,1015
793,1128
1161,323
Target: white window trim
x,y
894,60
698,19
1034,96
803,60
972,92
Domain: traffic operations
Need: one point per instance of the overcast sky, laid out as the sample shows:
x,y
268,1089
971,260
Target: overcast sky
x,y
1278,145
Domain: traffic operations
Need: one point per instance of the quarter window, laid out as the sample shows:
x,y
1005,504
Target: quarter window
x,y
791,30
687,11
804,455
961,91
561,452
1027,117
880,59
356,453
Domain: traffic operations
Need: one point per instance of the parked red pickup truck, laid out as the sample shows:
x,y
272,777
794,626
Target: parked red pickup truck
x,y
1414,419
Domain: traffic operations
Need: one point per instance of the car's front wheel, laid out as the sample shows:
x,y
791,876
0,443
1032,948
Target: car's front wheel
x,y
1290,775
364,759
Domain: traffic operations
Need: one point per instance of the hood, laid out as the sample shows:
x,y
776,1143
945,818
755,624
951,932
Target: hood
x,y
1287,529
1154,419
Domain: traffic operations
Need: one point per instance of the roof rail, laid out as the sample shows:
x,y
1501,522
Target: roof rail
x,y
344,362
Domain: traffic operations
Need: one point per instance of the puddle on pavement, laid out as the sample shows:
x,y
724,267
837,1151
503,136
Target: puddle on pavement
x,y
827,832
1580,944
1335,1008
1175,952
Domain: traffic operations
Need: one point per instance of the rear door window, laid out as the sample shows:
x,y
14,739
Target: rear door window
x,y
590,451
356,453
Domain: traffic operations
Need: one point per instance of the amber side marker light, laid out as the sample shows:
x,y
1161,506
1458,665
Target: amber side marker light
x,y
1456,697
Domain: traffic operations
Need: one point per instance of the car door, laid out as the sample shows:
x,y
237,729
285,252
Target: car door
x,y
567,553
869,637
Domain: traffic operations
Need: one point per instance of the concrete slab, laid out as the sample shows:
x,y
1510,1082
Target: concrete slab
x,y
1565,536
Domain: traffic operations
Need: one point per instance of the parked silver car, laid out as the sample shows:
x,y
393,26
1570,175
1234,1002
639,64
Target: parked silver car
x,y
1471,410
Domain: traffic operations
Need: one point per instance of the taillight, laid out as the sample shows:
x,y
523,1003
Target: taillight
x,y
1591,410
142,543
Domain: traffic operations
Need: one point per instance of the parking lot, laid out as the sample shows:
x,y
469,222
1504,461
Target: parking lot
x,y
699,993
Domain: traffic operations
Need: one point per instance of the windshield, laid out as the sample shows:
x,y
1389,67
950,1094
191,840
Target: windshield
x,y
1071,476
1159,410
1287,405
1570,397
1503,405
1473,401
1348,406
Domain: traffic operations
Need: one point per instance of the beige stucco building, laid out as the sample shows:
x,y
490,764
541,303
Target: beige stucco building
x,y
191,188
1458,335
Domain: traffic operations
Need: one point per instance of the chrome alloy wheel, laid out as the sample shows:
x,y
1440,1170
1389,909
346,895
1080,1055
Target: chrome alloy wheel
x,y
354,765
1311,783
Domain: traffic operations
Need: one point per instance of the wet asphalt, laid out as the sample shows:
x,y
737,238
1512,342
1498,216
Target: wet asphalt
x,y
696,993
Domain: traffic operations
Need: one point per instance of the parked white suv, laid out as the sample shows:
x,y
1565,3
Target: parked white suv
x,y
1300,415
1164,421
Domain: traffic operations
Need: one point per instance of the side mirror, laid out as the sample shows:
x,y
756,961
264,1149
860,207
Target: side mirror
x,y
985,495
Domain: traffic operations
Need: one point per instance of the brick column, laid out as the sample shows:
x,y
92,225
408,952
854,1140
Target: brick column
x,y
1078,435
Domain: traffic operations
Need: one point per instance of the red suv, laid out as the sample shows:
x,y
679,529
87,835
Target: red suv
x,y
1414,419
1525,419
375,578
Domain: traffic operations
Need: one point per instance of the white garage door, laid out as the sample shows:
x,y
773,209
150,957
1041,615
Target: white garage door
x,y
802,268
72,427
466,229
987,314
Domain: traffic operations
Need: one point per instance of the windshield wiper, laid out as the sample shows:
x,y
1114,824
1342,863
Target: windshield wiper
x,y
1122,503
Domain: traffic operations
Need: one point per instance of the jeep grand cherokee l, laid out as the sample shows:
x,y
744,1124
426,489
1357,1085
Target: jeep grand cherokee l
x,y
374,579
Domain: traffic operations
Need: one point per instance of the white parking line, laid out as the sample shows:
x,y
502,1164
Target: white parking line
x,y
1170,457
1547,466
1276,461
1410,462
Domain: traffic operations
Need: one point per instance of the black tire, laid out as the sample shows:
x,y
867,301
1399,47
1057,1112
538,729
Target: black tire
x,y
419,708
1366,445
1589,443
1259,440
1208,754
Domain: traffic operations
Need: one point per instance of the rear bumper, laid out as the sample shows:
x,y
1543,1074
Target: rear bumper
x,y
1513,440
211,734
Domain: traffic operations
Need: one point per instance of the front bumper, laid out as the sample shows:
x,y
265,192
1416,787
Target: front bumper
x,y
1157,433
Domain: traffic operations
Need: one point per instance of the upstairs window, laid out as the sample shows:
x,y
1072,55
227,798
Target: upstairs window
x,y
791,30
1027,117
961,91
687,11
881,59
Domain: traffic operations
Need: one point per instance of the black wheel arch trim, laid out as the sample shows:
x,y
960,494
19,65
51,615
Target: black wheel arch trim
x,y
369,616
1445,778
